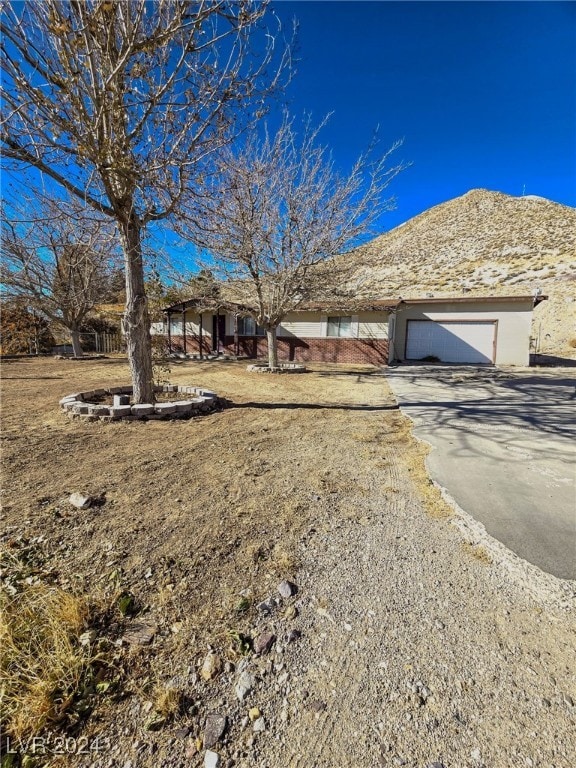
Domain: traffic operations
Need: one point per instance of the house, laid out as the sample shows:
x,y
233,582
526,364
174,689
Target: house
x,y
476,330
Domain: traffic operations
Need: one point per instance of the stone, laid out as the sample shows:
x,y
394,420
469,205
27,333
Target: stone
x,y
183,406
211,666
266,606
435,765
254,714
263,643
259,725
211,759
99,410
214,728
142,409
118,400
181,733
69,399
287,589
439,624
244,685
119,411
80,501
165,409
476,755
294,635
140,634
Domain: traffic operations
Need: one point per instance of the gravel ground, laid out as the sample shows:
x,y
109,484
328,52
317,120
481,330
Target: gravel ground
x,y
423,646
413,638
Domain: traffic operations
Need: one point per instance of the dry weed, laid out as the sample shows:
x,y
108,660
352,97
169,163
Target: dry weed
x,y
42,663
478,552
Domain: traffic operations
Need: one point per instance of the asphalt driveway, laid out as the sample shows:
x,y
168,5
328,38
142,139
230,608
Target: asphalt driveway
x,y
503,448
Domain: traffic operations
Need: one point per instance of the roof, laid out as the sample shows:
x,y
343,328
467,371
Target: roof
x,y
204,304
473,299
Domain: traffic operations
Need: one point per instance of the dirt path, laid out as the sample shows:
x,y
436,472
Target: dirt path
x,y
417,646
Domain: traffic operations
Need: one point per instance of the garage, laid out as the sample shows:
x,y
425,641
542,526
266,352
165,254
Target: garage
x,y
451,341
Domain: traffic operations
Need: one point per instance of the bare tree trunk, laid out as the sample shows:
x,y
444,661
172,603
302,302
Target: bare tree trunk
x,y
136,319
272,347
76,346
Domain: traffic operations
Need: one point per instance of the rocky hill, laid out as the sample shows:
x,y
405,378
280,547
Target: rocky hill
x,y
483,243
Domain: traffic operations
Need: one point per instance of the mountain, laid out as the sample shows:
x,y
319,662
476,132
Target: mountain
x,y
483,243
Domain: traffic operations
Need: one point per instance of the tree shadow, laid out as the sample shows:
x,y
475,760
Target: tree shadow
x,y
515,410
309,406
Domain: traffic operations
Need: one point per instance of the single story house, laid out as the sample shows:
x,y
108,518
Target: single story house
x,y
476,330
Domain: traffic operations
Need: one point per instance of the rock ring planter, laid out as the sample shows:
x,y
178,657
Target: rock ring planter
x,y
282,368
86,405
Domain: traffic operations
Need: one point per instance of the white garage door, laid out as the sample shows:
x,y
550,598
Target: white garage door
x,y
451,341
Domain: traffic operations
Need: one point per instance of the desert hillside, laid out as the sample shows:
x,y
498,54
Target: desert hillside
x,y
483,243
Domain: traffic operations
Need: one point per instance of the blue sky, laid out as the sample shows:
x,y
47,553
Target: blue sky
x,y
483,93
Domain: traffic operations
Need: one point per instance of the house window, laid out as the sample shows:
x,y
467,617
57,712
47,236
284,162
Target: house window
x,y
340,325
247,327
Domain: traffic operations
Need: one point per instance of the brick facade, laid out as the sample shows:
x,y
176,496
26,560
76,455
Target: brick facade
x,y
292,349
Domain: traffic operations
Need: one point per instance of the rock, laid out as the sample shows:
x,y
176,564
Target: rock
x,y
266,606
317,706
476,755
293,635
254,714
214,728
118,400
181,733
80,501
439,624
259,725
140,634
191,750
139,410
244,685
119,411
287,589
263,643
435,765
211,759
211,666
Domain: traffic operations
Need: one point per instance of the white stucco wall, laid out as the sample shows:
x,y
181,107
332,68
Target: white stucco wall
x,y
513,319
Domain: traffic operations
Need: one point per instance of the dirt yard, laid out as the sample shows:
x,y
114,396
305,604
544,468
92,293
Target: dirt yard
x,y
313,478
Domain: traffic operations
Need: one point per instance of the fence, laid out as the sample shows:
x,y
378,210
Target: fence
x,y
100,343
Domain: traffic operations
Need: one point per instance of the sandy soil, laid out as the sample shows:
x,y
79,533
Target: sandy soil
x,y
313,478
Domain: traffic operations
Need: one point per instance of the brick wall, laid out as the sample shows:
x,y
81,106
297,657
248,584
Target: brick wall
x,y
373,351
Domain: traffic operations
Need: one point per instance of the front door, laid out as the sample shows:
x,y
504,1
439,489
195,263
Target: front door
x,y
218,333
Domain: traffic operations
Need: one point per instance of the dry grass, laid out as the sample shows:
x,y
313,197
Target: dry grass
x,y
42,663
478,552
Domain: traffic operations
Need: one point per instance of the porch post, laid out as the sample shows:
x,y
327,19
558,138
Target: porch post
x,y
184,329
217,330
169,333
236,340
200,336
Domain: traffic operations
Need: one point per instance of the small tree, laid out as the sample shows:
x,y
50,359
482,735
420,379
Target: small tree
x,y
58,260
123,103
277,215
23,330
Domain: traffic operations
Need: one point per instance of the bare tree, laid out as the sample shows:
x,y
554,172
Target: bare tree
x,y
278,213
59,260
122,104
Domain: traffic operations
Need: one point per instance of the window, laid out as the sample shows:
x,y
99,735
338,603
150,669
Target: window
x,y
247,327
340,326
